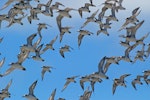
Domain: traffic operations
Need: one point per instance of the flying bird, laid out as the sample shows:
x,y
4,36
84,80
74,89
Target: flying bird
x,y
50,45
82,34
63,49
4,92
69,80
63,31
90,19
13,67
44,70
30,95
85,8
119,82
137,80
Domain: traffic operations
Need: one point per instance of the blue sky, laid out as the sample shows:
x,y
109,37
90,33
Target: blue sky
x,y
81,61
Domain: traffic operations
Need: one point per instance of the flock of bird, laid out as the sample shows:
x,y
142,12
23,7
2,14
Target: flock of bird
x,y
17,13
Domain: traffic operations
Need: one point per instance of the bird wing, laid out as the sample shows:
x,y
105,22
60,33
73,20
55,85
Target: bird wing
x,y
135,10
133,84
45,49
93,15
30,38
61,35
139,25
80,12
8,85
65,86
52,41
31,88
58,19
82,84
2,62
7,4
37,42
52,95
101,64
39,48
22,56
123,76
85,23
49,3
9,70
92,85
106,66
80,36
114,87
42,73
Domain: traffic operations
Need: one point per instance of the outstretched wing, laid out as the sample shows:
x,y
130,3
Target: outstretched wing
x,y
58,19
114,88
65,86
31,88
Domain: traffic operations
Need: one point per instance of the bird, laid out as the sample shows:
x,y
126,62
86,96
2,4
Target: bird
x,y
93,80
64,30
82,34
46,11
50,45
52,95
126,57
86,95
132,30
146,79
69,80
13,67
119,82
119,5
102,13
63,49
16,20
137,80
55,7
42,26
109,61
103,27
146,73
132,19
23,55
141,40
33,14
30,95
29,46
140,54
100,73
4,92
44,70
90,19
85,8
63,13
84,79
